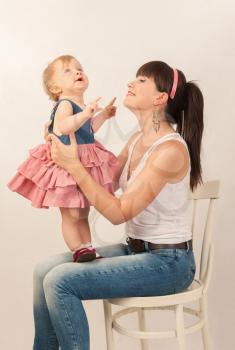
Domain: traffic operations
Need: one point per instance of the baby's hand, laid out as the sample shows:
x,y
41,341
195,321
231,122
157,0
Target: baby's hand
x,y
93,108
110,110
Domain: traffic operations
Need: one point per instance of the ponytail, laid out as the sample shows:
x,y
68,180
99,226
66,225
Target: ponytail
x,y
191,129
184,108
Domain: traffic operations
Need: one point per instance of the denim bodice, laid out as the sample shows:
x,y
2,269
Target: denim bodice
x,y
84,134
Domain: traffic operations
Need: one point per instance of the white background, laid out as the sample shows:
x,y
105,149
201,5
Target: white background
x,y
111,39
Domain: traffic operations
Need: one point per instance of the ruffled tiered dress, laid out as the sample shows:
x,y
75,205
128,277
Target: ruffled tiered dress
x,y
46,184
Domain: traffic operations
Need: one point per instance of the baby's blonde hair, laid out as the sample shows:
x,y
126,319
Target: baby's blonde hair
x,y
48,75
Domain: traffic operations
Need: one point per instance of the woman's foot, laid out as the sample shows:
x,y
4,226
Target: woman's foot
x,y
84,254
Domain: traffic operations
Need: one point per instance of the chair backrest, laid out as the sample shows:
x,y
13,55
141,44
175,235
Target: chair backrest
x,y
209,190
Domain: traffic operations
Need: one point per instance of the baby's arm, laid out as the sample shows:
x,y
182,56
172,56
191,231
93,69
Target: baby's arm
x,y
66,122
108,112
98,121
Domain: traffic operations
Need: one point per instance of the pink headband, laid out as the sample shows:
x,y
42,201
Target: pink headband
x,y
175,83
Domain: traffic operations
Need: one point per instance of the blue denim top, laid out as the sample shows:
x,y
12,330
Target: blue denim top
x,y
83,135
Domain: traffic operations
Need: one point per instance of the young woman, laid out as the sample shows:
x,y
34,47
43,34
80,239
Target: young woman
x,y
157,167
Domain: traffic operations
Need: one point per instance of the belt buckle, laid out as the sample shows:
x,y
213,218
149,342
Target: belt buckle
x,y
136,245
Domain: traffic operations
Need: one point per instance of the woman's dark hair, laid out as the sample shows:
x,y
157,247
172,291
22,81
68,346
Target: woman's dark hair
x,y
185,110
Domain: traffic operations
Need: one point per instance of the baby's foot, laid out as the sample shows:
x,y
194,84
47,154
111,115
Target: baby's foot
x,y
84,254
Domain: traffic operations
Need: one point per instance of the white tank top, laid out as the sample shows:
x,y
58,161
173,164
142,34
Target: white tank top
x,y
167,219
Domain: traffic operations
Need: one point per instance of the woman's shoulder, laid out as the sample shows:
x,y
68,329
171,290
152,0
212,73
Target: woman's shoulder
x,y
172,157
171,144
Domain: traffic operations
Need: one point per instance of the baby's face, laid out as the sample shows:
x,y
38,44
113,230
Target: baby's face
x,y
69,77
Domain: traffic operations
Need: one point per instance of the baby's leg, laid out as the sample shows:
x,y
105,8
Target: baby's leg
x,y
75,227
84,226
77,233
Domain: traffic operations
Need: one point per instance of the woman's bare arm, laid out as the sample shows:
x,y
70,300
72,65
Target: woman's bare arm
x,y
167,164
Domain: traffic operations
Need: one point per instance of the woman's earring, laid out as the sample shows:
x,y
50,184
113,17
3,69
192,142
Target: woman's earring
x,y
156,121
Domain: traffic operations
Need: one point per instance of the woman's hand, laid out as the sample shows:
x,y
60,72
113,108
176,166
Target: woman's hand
x,y
66,156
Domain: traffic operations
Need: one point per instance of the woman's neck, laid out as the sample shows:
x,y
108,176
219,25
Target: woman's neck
x,y
145,120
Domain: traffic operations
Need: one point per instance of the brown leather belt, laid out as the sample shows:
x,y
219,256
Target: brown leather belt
x,y
138,245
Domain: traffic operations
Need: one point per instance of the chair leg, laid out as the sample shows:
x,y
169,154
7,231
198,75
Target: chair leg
x,y
205,329
108,325
142,327
180,332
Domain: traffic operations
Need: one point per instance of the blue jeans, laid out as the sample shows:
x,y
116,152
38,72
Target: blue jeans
x,y
60,286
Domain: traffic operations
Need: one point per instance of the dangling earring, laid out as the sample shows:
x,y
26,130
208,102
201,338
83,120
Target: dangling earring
x,y
156,121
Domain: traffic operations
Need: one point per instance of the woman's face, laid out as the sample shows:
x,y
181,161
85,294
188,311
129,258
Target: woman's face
x,y
142,94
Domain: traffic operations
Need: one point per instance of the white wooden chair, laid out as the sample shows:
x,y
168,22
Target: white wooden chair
x,y
196,292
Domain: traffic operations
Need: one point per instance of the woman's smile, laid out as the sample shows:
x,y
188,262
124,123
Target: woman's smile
x,y
130,93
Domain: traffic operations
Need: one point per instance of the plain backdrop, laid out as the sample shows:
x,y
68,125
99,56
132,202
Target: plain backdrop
x,y
111,39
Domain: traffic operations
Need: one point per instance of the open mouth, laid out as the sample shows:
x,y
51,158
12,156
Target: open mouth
x,y
79,79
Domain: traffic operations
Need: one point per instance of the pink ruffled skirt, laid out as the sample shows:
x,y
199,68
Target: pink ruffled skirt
x,y
46,184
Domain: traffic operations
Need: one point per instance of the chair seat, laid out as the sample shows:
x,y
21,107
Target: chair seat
x,y
193,292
